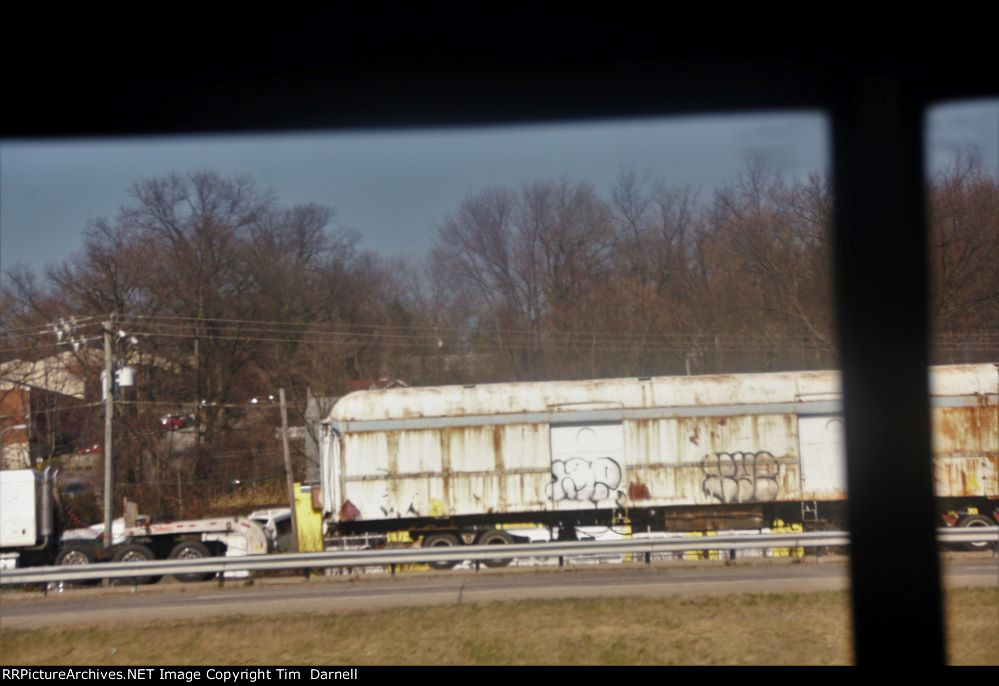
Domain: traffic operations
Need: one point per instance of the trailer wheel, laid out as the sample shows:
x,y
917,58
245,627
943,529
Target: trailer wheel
x,y
441,541
496,537
77,554
191,550
975,520
135,552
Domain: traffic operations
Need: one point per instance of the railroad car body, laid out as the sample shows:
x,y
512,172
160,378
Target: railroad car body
x,y
663,453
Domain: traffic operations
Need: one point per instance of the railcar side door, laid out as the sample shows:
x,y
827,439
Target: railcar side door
x,y
823,467
587,466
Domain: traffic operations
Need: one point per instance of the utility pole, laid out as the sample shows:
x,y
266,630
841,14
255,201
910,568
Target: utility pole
x,y
108,386
198,397
287,471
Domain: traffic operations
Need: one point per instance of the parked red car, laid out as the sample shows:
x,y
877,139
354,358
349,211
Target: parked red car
x,y
173,422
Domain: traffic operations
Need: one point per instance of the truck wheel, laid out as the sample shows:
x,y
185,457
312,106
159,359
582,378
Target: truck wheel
x,y
135,552
975,520
441,541
77,554
191,550
496,537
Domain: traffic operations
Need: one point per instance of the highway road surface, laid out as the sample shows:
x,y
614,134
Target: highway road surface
x,y
21,609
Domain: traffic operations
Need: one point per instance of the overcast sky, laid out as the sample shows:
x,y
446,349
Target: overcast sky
x,y
396,187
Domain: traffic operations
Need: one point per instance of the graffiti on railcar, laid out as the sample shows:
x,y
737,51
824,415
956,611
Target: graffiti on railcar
x,y
741,477
586,479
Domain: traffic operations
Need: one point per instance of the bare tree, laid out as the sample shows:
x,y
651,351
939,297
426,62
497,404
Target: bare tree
x,y
964,254
769,245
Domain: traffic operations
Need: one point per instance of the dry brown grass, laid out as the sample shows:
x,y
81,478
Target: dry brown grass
x,y
808,628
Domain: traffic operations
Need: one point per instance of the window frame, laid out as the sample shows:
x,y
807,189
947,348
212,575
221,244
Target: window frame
x,y
876,109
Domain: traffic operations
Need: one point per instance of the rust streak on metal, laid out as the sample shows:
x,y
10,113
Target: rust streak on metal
x,y
445,444
392,441
947,427
500,467
638,491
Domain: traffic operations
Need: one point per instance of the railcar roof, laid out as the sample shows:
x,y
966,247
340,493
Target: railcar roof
x,y
630,393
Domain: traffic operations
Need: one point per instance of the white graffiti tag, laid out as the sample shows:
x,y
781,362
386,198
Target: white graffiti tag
x,y
578,478
741,477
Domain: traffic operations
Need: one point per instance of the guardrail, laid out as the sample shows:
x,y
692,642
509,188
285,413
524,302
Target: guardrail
x,y
388,557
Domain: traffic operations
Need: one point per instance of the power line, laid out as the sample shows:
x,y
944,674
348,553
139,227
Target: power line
x,y
582,337
78,321
583,342
434,333
291,332
405,331
63,408
28,347
223,481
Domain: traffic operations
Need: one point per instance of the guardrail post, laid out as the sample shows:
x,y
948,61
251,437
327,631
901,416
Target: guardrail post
x,y
648,558
392,568
561,561
477,564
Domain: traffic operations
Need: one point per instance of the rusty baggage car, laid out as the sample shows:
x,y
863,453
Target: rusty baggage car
x,y
458,464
